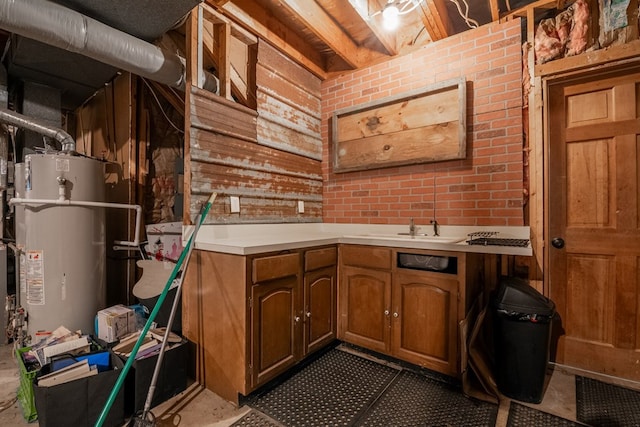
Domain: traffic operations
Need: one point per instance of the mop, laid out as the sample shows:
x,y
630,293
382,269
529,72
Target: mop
x,y
184,257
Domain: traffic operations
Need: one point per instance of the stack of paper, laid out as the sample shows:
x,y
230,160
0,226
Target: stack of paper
x,y
69,373
61,341
149,346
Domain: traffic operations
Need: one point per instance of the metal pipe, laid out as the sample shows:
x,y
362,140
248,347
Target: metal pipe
x,y
59,26
38,126
66,202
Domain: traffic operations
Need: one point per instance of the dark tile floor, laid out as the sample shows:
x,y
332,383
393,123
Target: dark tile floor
x,y
200,407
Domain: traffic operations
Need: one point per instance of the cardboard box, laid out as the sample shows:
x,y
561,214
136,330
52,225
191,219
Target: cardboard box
x,y
172,378
80,402
115,322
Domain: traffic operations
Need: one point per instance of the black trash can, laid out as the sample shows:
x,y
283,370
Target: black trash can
x,y
522,332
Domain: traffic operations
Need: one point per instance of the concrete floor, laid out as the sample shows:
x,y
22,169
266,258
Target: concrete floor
x,y
199,407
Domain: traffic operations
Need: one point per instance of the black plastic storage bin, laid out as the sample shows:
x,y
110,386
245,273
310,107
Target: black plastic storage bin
x,y
522,332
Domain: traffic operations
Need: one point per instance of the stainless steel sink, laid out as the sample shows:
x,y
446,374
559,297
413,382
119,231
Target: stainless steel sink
x,y
420,237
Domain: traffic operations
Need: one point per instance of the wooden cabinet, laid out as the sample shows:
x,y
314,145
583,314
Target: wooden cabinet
x,y
253,317
365,296
275,327
424,320
320,288
291,318
407,313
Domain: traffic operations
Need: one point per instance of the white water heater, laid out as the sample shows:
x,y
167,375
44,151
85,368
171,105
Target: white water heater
x,y
63,280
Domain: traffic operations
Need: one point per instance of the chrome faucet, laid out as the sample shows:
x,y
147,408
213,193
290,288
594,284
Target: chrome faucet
x,y
436,231
412,227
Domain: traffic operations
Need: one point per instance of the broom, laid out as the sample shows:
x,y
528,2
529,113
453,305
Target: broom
x,y
186,253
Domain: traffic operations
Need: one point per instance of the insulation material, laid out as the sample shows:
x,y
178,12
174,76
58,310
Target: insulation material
x,y
616,22
526,77
564,35
166,145
547,43
614,14
579,28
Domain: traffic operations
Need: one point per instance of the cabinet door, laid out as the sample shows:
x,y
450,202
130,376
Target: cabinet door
x,y
424,328
275,328
320,308
365,297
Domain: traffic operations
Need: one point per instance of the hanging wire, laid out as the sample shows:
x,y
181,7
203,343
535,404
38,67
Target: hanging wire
x,y
106,123
84,142
418,35
415,3
113,116
471,23
160,106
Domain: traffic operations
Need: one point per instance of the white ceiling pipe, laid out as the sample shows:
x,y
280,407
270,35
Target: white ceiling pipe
x,y
66,202
18,120
59,26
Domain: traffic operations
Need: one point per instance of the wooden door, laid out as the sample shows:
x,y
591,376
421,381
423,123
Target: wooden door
x,y
275,327
593,220
424,320
365,303
320,308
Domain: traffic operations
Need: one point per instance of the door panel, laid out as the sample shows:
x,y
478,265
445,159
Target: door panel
x,y
320,308
274,329
424,320
588,184
365,298
593,204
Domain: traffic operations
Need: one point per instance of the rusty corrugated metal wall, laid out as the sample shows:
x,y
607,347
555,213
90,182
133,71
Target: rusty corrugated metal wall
x,y
269,158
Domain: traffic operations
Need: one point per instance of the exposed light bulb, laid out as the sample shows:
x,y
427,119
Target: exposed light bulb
x,y
390,17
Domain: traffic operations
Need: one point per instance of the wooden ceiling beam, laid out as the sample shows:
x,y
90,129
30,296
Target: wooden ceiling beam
x,y
261,23
321,24
326,29
495,10
435,19
386,38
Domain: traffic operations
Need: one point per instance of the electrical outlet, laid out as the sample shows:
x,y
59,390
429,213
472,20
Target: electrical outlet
x,y
300,206
235,204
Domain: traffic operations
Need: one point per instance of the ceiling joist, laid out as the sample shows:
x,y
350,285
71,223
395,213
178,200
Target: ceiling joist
x,y
435,19
265,26
387,39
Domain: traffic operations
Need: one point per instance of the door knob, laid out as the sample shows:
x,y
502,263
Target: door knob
x,y
558,242
308,314
297,319
395,314
386,312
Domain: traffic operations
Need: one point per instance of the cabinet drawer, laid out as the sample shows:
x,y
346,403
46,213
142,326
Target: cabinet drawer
x,y
318,258
366,256
275,267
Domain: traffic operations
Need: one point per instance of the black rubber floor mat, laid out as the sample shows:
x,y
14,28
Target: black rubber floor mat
x,y
415,400
256,419
525,416
602,404
331,391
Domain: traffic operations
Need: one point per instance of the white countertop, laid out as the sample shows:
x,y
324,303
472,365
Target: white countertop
x,y
247,239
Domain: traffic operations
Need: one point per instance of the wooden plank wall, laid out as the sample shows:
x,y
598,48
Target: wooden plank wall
x,y
106,129
269,158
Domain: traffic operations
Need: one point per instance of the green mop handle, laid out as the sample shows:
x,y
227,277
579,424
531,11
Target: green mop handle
x,y
147,326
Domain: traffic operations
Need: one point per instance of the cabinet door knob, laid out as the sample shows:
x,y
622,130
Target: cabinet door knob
x,y
308,314
386,312
395,314
297,318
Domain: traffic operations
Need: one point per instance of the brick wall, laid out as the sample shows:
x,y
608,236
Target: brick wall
x,y
486,188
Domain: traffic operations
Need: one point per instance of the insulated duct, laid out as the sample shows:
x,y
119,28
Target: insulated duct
x,y
24,122
59,26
